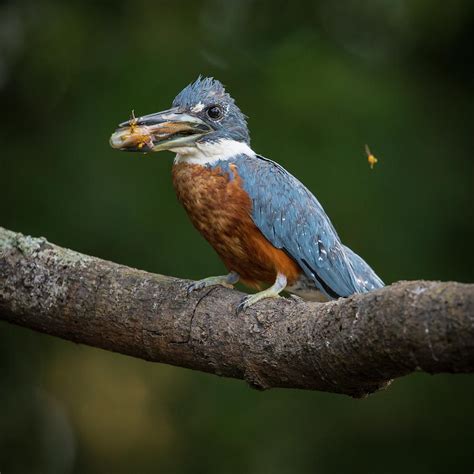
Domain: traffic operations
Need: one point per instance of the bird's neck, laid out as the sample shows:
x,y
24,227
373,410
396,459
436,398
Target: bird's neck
x,y
209,153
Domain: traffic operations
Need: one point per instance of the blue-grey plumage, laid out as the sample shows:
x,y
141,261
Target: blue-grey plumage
x,y
293,220
272,216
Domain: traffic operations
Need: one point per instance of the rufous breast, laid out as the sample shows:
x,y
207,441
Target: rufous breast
x,y
221,211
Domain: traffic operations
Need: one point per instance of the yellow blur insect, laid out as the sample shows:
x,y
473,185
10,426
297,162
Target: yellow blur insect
x,y
370,158
137,135
133,123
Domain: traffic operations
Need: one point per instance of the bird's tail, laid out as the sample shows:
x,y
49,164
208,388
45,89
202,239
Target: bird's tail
x,y
365,278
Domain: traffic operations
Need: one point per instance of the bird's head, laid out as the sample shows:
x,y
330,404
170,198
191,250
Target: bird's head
x,y
202,114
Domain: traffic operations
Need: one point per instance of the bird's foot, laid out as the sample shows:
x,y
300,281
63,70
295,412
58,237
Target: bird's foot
x,y
250,300
223,280
272,292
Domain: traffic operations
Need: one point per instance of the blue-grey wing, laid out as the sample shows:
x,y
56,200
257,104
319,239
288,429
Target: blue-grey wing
x,y
292,219
367,279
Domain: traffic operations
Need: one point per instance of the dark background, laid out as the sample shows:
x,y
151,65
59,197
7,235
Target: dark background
x,y
318,80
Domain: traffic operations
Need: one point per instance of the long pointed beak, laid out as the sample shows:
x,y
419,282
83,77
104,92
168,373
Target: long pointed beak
x,y
160,131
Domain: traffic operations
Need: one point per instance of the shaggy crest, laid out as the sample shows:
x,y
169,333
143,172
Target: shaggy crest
x,y
206,90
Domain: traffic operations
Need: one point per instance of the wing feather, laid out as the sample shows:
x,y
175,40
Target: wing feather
x,y
292,219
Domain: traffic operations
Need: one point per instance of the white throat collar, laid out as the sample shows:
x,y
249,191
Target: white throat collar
x,y
211,152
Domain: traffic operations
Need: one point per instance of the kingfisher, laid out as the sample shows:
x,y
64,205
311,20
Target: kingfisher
x,y
269,230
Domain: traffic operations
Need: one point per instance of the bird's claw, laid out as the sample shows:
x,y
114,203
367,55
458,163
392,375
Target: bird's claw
x,y
210,281
198,285
244,304
250,300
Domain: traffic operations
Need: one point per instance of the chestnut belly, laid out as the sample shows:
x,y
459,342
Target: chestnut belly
x,y
221,211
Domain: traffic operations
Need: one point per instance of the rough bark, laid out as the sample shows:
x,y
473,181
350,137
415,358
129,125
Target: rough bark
x,y
353,346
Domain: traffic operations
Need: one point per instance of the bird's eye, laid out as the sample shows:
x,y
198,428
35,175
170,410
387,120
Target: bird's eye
x,y
214,112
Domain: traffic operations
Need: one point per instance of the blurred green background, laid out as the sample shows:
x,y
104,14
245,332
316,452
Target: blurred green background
x,y
318,80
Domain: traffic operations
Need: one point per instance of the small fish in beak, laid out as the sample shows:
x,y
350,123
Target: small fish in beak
x,y
133,137
160,131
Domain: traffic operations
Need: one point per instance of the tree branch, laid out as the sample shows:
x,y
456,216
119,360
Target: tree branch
x,y
353,346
